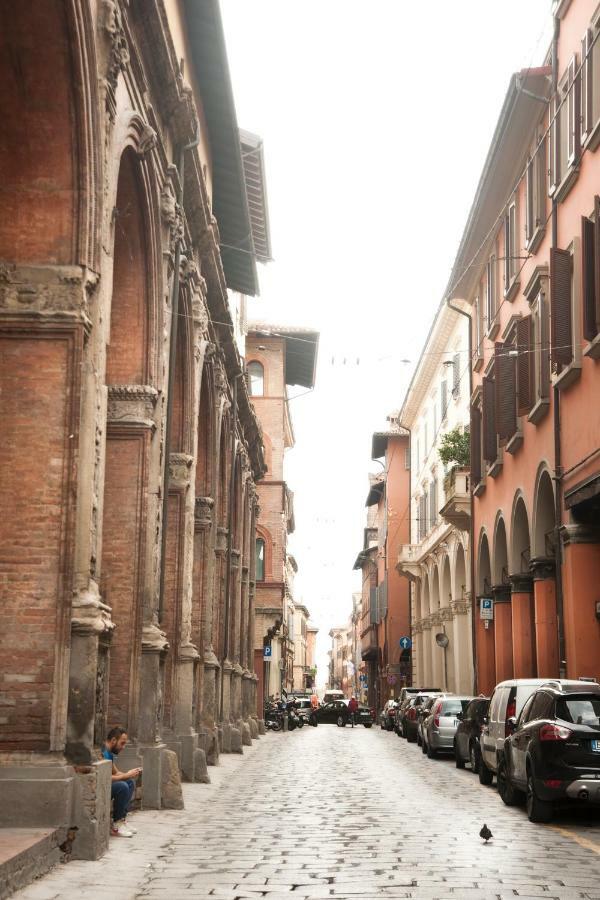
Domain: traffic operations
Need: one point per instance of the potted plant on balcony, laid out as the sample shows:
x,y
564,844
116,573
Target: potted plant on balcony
x,y
455,451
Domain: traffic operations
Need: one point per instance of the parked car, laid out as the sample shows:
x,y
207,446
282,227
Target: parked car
x,y
303,707
552,756
468,733
407,727
337,713
440,726
388,715
507,701
331,695
422,713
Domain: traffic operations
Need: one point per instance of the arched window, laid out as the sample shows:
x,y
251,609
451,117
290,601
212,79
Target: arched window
x,y
260,559
256,378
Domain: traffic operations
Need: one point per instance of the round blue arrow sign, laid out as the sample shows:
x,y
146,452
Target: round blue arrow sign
x,y
405,643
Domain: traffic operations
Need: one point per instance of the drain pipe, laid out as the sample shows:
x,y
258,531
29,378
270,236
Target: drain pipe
x,y
556,409
229,536
171,382
472,508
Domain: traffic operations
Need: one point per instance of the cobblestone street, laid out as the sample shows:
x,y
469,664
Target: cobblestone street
x,y
331,812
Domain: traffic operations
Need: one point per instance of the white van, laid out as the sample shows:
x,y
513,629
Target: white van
x,y
507,701
331,696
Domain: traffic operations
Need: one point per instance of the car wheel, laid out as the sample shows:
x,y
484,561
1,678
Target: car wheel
x,y
486,776
367,724
341,722
509,795
404,731
537,810
474,758
411,738
431,753
419,739
460,763
313,721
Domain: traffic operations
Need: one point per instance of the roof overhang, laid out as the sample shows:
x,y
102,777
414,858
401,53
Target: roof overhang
x,y
504,164
253,160
230,201
380,441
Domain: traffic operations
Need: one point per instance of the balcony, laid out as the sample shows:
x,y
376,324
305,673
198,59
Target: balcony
x,y
408,560
457,509
368,643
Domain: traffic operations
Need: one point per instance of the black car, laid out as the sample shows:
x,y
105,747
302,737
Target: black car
x,y
406,721
468,733
553,754
337,713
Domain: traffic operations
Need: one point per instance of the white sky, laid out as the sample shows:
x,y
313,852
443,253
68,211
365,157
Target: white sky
x,y
376,119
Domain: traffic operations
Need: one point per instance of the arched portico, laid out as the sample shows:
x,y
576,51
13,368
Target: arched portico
x,y
523,619
502,603
486,649
544,576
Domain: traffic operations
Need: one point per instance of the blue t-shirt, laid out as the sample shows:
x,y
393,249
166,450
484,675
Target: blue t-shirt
x,y
108,755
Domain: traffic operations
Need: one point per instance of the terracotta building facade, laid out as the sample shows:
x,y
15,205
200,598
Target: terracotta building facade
x,y
130,450
527,273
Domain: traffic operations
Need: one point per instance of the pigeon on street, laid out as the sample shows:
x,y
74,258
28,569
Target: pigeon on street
x,y
485,833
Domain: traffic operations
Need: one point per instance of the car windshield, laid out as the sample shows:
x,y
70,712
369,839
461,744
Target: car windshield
x,y
580,710
451,707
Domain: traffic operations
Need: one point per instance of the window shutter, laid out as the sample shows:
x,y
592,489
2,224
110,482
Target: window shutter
x,y
525,365
529,199
573,102
373,605
586,85
561,331
490,441
475,445
444,398
455,374
588,229
505,372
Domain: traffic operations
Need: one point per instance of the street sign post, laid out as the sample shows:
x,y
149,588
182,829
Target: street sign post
x,y
486,608
405,643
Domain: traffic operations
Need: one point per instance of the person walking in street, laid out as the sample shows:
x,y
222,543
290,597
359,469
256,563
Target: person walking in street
x,y
123,783
314,701
352,708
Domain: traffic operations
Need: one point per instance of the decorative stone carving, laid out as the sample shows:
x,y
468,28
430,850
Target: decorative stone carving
x,y
221,545
521,583
147,139
59,290
89,614
203,513
153,639
210,239
132,404
460,607
235,558
169,208
542,568
180,466
445,614
118,52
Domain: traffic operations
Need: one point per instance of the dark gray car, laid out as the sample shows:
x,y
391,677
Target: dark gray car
x,y
440,726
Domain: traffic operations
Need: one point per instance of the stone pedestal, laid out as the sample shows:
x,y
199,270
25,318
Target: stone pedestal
x,y
37,796
171,796
546,621
523,626
236,693
92,810
503,641
201,767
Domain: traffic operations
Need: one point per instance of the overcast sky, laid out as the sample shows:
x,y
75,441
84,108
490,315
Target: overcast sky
x,y
376,119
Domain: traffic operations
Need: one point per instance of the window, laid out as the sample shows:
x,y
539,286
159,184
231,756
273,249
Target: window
x,y
535,191
256,378
579,710
524,717
505,376
479,327
541,707
590,245
476,457
433,502
260,559
444,399
456,375
491,295
565,132
511,250
489,439
539,359
590,84
565,346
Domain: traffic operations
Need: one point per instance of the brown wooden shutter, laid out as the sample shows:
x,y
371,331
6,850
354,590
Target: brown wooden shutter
x,y
525,365
597,259
490,441
475,445
561,331
588,266
505,372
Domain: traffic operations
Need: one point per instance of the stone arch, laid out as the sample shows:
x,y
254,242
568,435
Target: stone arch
x,y
484,566
544,521
49,122
460,573
265,534
520,544
435,588
500,553
445,581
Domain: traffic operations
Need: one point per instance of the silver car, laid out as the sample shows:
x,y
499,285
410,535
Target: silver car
x,y
440,726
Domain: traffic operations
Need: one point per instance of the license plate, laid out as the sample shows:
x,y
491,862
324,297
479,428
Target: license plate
x,y
596,746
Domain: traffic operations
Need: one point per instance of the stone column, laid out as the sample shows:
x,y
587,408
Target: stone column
x,y
428,674
581,592
462,642
437,653
523,628
503,632
234,638
546,621
204,597
486,652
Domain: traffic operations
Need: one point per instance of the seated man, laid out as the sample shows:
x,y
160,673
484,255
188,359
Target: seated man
x,y
123,784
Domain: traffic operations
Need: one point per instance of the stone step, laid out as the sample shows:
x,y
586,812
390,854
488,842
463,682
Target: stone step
x,y
26,854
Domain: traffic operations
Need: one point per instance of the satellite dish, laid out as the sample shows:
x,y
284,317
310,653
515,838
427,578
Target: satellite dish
x,y
441,640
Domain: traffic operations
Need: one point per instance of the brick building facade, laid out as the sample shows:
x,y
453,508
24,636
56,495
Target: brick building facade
x,y
130,450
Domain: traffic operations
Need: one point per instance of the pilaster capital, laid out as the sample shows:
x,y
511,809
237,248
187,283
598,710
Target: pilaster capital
x,y
89,615
180,467
203,513
501,593
542,568
579,534
521,583
131,404
153,639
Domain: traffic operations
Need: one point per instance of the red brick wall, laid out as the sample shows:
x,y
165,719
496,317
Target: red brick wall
x,y
121,564
37,179
36,406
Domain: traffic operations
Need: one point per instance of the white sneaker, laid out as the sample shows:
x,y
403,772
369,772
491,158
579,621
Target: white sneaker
x,y
130,827
120,829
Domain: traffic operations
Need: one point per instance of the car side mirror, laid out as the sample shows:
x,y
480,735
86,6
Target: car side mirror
x,y
460,716
511,724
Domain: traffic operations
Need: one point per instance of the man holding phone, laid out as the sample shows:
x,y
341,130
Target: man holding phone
x,y
123,783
